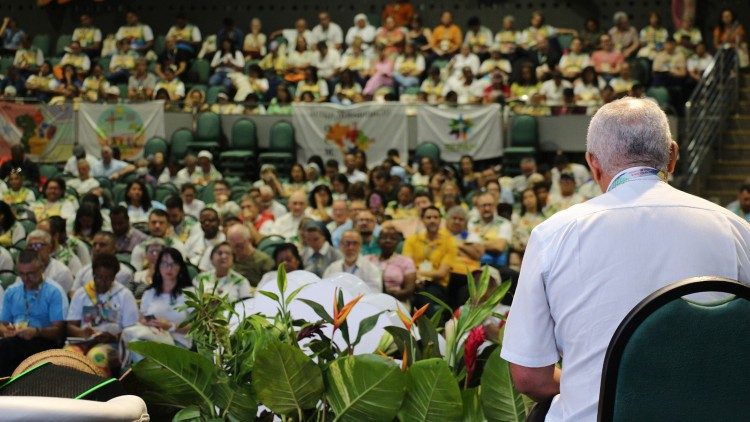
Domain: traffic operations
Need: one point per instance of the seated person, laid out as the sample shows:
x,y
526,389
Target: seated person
x,y
98,313
223,280
32,318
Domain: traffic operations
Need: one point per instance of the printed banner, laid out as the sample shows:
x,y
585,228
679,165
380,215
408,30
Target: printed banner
x,y
471,131
46,132
330,130
126,126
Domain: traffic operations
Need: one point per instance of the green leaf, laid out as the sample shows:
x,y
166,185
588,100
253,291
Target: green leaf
x,y
500,400
429,338
281,279
318,309
271,295
472,405
472,288
178,376
284,379
484,281
294,294
437,301
365,388
237,401
365,326
432,393
188,414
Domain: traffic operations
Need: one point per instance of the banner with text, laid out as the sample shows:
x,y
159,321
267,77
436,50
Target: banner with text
x,y
330,130
46,132
126,126
470,131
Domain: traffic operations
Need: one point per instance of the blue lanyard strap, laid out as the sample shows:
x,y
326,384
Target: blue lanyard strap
x,y
636,173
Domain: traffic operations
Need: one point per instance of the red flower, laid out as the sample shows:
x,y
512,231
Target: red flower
x,y
471,346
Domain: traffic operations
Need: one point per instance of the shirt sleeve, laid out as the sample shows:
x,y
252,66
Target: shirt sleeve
x,y
148,34
129,315
56,306
529,334
75,311
5,311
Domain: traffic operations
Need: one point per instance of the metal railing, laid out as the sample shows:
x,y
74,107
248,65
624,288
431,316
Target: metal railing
x,y
707,112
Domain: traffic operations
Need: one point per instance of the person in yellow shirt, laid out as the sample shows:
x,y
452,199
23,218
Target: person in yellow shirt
x,y
446,38
432,250
89,36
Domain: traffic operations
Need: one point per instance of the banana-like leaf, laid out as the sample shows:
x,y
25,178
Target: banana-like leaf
x,y
472,405
365,388
188,414
500,400
179,377
285,380
432,393
236,401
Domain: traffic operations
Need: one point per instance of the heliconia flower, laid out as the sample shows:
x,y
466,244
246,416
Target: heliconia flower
x,y
405,359
471,346
409,321
340,316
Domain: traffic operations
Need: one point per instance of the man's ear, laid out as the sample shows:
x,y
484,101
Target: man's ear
x,y
674,155
595,166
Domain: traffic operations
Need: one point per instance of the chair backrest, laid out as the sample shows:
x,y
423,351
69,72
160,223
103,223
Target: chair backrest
x,y
180,141
213,93
244,135
160,43
208,127
671,359
7,277
62,42
199,71
282,137
48,170
206,193
524,131
41,41
660,94
427,149
269,244
154,145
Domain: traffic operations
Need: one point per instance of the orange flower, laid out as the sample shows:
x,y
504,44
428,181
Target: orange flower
x,y
340,316
405,359
409,322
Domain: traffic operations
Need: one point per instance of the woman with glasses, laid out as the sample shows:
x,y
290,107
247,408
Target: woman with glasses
x,y
54,201
162,305
223,280
143,279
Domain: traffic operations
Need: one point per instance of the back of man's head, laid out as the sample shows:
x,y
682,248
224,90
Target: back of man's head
x,y
629,132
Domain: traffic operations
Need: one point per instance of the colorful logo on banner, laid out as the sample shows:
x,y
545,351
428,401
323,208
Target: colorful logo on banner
x,y
46,132
460,128
123,127
348,137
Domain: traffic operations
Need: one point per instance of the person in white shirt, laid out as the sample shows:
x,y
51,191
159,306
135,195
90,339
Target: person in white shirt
x,y
139,36
291,34
88,36
467,88
699,62
191,173
222,280
267,202
351,172
563,165
325,60
225,61
190,203
552,89
355,264
103,244
158,224
587,267
362,30
287,226
200,244
567,196
465,58
186,35
110,167
84,183
71,166
41,242
100,310
328,32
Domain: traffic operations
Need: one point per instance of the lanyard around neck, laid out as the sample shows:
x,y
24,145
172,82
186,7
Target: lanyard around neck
x,y
637,173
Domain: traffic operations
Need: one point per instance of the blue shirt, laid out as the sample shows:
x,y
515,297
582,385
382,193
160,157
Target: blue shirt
x,y
107,170
40,308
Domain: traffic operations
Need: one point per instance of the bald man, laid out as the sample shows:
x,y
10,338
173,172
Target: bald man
x,y
287,225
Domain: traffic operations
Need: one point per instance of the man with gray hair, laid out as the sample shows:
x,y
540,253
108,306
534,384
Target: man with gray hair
x,y
585,268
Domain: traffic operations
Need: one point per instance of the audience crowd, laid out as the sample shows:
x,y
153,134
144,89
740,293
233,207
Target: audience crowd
x,y
535,67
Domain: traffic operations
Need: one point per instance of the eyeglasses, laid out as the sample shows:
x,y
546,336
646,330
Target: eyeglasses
x,y
349,243
168,264
37,246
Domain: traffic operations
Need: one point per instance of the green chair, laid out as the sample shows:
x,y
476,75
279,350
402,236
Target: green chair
x,y
154,145
269,244
660,94
63,41
180,143
7,277
675,360
123,90
49,171
207,133
206,193
645,63
28,225
165,191
21,244
213,93
160,43
199,71
5,64
243,149
199,87
193,271
524,141
427,149
564,40
282,150
118,192
42,42
104,61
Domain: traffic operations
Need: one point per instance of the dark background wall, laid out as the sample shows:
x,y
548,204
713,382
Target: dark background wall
x,y
275,14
